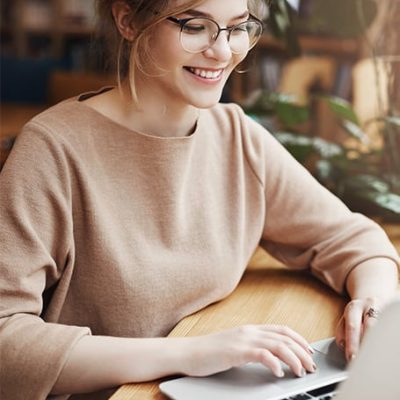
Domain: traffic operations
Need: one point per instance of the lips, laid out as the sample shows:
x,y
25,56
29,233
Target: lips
x,y
211,74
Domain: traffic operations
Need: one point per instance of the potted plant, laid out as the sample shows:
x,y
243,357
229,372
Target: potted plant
x,y
365,176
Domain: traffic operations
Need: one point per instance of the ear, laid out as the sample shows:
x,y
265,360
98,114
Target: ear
x,y
122,17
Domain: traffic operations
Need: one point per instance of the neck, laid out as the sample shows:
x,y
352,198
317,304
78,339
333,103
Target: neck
x,y
154,116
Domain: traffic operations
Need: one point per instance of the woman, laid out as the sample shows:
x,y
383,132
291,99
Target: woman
x,y
125,210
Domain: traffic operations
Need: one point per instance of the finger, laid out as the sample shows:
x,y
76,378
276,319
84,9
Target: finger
x,y
266,358
340,338
303,355
369,318
286,354
286,331
353,326
368,323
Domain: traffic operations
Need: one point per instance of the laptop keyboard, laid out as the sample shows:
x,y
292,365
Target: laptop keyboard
x,y
323,393
306,396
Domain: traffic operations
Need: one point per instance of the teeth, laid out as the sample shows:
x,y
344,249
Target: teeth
x,y
206,74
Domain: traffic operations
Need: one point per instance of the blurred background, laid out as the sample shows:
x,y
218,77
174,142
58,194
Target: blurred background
x,y
324,78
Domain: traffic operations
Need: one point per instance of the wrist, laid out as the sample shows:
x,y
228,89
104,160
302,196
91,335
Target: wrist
x,y
177,355
153,358
374,278
185,354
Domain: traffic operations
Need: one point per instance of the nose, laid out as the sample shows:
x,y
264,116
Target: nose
x,y
220,49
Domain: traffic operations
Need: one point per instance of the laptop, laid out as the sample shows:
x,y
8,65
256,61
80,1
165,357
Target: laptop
x,y
371,376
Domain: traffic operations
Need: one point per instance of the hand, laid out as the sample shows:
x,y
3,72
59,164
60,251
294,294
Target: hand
x,y
267,344
358,316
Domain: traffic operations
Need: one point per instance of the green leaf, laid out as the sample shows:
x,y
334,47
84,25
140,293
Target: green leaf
x,y
340,18
367,183
260,104
299,146
386,201
327,149
288,138
355,131
288,109
342,108
285,107
370,195
279,18
282,22
327,173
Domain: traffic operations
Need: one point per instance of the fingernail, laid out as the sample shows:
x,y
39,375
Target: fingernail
x,y
352,357
342,343
280,374
302,373
311,350
314,368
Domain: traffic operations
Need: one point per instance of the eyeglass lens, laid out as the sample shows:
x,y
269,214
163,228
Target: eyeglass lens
x,y
198,34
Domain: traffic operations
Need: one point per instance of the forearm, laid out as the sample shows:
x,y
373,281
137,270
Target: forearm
x,y
98,362
377,277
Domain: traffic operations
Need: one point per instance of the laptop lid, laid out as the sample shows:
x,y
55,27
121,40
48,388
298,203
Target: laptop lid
x,y
374,373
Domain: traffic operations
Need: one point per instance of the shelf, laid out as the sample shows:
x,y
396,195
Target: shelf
x,y
331,45
322,44
269,47
69,30
76,30
55,20
267,41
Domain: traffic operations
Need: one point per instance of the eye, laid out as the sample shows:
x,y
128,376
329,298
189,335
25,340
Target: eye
x,y
240,29
192,27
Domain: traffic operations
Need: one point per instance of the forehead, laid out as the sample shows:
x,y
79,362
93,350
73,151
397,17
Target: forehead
x,y
219,9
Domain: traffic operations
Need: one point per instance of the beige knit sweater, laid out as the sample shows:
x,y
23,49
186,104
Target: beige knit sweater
x,y
108,231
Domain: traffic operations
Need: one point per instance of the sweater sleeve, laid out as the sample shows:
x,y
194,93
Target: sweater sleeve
x,y
36,256
306,226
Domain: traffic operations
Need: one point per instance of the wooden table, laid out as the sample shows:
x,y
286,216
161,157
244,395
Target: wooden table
x,y
268,293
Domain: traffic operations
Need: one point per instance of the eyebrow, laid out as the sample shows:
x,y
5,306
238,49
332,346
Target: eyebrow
x,y
197,13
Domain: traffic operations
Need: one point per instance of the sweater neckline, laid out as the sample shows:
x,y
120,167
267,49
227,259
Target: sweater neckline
x,y
78,100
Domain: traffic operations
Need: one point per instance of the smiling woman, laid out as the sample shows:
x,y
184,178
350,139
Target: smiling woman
x,y
174,57
124,210
131,50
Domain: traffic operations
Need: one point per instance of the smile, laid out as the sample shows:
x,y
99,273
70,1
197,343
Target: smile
x,y
206,73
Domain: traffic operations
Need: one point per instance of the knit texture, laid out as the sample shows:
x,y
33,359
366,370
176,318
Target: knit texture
x,y
107,231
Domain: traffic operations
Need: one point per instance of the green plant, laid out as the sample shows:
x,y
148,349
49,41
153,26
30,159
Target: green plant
x,y
339,18
360,175
365,177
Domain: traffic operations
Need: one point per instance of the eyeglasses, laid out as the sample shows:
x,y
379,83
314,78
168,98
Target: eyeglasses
x,y
199,34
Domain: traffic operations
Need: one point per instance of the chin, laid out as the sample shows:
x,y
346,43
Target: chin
x,y
205,105
206,101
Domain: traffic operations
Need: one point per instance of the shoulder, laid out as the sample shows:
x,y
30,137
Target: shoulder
x,y
228,115
69,124
61,119
50,136
242,138
231,121
232,118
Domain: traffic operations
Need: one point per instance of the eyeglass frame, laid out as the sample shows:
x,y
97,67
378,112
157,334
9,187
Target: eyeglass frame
x,y
182,21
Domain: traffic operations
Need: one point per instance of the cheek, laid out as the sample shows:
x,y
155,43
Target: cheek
x,y
166,49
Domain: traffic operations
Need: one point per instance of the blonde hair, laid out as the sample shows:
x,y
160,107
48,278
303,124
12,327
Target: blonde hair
x,y
135,55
